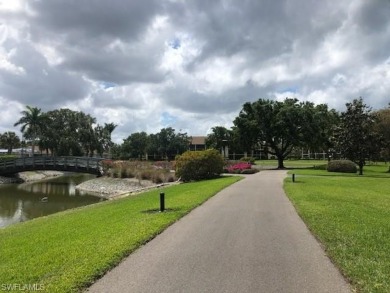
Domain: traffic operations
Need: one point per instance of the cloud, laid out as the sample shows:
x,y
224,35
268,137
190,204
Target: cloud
x,y
29,79
94,19
114,41
189,65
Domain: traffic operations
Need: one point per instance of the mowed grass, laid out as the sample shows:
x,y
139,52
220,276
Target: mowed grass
x,y
379,170
66,252
350,215
291,163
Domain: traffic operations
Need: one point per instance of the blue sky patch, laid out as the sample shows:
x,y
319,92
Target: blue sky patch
x,y
175,43
291,89
168,119
107,85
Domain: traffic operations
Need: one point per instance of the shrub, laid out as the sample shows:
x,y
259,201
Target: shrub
x,y
171,178
344,166
146,174
123,172
115,172
198,165
7,157
239,167
250,160
130,173
107,165
159,176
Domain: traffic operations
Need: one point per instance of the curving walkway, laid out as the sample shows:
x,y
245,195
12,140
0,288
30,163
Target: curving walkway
x,y
247,238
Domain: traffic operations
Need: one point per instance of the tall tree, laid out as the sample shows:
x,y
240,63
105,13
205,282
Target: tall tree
x,y
383,129
9,140
32,122
108,129
102,137
135,145
280,126
179,144
167,143
356,137
246,129
323,123
219,138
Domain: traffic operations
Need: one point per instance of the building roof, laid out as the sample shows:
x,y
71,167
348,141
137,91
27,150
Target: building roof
x,y
198,140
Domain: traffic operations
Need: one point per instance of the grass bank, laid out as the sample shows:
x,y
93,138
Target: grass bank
x,y
66,252
350,215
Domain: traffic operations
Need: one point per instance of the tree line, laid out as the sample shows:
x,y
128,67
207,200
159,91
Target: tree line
x,y
65,132
165,144
61,132
280,127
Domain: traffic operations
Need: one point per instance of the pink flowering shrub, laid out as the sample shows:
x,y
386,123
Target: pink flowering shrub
x,y
238,167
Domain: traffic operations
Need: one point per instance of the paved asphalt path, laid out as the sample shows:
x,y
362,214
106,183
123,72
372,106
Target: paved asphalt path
x,y
247,238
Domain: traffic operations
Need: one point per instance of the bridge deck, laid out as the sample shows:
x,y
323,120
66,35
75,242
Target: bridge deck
x,y
71,164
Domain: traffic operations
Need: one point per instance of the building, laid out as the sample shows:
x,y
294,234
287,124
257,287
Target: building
x,y
197,143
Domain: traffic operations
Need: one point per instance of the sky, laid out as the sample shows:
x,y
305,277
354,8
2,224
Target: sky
x,y
191,65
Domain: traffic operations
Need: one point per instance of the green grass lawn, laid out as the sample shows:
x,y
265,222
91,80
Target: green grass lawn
x,y
350,215
291,163
379,170
66,252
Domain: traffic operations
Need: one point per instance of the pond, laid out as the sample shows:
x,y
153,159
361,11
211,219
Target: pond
x,y
26,201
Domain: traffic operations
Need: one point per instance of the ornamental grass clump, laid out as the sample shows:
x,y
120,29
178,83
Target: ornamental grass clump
x,y
138,169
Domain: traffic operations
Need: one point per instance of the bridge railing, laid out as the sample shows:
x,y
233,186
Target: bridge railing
x,y
74,163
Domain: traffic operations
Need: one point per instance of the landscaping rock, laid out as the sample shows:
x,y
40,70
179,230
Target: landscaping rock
x,y
116,187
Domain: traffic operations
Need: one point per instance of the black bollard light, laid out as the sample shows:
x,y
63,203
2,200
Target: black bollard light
x,y
293,177
162,201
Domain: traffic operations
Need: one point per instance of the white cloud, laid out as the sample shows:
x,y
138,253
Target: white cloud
x,y
8,66
11,6
150,64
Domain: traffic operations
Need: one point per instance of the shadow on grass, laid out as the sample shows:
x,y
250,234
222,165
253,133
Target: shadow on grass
x,y
371,174
155,211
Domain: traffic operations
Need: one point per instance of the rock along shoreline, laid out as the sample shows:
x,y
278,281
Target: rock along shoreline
x,y
30,176
113,188
105,187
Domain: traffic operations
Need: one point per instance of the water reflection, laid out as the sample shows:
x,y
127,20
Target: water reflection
x,y
22,202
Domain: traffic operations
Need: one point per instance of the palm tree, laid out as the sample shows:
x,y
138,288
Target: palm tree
x,y
108,129
32,122
9,140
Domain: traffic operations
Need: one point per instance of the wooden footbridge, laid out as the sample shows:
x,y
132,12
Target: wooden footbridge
x,y
69,164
